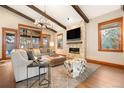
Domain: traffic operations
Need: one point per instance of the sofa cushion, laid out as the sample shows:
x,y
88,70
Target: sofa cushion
x,y
36,52
30,55
23,53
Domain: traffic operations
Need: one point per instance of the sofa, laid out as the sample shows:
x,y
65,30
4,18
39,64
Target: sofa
x,y
20,61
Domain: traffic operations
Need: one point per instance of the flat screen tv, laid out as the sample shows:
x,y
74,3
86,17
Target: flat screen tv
x,y
74,34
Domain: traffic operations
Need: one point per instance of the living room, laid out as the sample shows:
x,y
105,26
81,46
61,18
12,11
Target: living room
x,y
69,51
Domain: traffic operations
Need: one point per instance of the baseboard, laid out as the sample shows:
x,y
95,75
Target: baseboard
x,y
105,63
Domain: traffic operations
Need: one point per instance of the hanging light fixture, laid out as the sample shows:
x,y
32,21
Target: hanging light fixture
x,y
43,22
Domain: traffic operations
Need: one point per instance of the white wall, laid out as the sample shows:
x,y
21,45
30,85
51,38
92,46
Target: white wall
x,y
92,40
11,20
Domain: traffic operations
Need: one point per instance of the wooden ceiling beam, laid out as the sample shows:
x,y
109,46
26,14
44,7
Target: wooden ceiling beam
x,y
18,13
46,15
81,13
22,15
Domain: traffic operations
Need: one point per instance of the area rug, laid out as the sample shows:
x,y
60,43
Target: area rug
x,y
60,79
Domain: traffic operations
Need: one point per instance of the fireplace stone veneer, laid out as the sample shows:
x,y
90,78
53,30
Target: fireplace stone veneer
x,y
79,45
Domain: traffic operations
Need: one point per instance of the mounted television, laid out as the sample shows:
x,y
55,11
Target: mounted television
x,y
74,34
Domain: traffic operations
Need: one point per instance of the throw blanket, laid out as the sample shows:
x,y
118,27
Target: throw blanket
x,y
75,66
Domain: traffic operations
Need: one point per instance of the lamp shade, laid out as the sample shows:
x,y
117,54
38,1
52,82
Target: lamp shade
x,y
51,44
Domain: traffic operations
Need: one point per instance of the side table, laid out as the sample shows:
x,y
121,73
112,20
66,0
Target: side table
x,y
40,65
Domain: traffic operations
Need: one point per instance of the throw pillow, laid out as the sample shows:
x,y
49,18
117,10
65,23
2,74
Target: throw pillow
x,y
30,55
36,52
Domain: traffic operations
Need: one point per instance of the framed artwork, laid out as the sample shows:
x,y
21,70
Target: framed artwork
x,y
110,35
60,41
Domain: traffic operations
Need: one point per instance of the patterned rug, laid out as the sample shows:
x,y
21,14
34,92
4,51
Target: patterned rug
x,y
60,79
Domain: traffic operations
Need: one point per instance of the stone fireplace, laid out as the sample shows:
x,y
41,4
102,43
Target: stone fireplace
x,y
74,48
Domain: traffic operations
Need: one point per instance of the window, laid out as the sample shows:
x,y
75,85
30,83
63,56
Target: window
x,y
46,40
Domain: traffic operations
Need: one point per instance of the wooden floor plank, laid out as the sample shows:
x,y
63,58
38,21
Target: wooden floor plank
x,y
105,77
7,79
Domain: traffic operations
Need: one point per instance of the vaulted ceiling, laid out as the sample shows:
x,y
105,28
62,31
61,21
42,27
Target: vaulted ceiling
x,y
62,15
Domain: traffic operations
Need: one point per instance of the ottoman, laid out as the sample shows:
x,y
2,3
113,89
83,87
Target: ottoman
x,y
75,67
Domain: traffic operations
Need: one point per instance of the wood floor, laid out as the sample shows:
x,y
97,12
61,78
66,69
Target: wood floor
x,y
104,77
6,75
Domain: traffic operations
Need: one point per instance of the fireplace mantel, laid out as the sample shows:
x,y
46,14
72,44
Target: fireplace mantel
x,y
75,42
